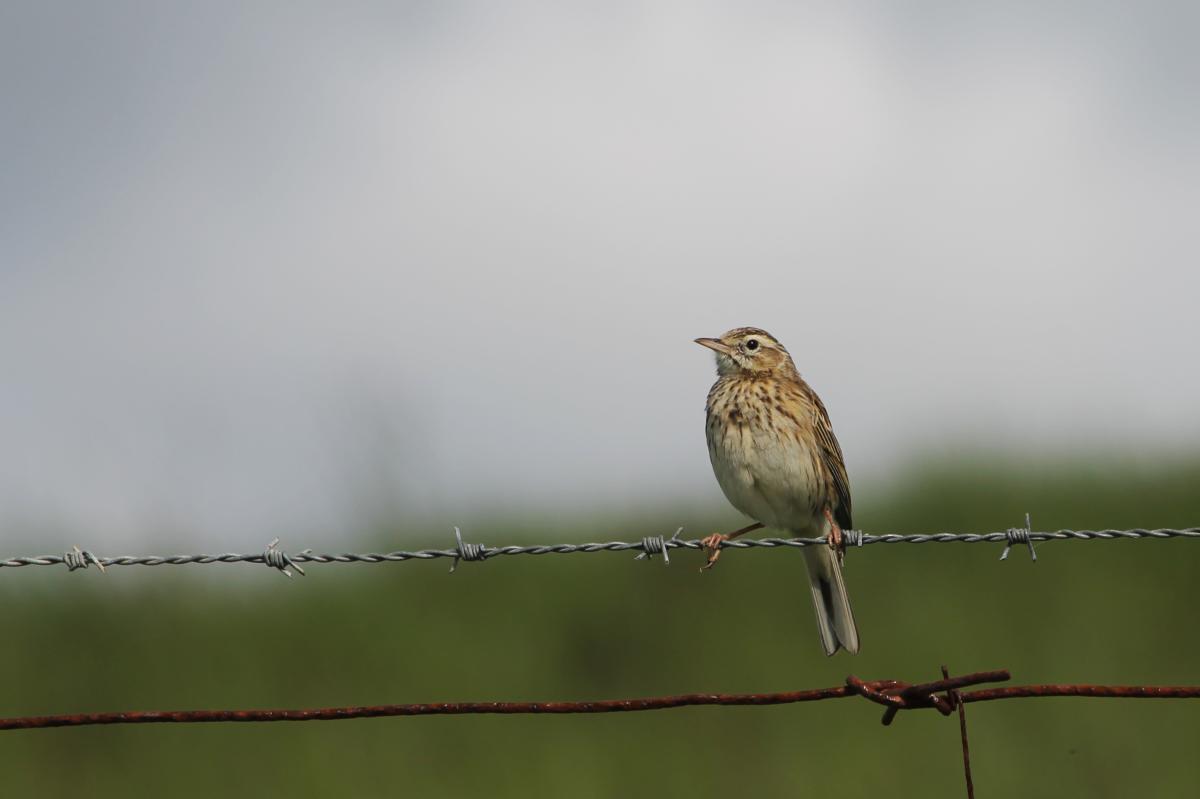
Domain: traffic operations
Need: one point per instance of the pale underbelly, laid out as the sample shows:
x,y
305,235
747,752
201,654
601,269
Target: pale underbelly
x,y
771,478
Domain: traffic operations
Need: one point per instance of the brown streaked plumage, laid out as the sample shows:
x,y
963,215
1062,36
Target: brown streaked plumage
x,y
777,460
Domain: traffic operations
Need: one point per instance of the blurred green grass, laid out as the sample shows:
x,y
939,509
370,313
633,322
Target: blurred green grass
x,y
606,626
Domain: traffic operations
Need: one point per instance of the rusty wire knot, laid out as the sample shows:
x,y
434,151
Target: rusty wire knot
x,y
942,694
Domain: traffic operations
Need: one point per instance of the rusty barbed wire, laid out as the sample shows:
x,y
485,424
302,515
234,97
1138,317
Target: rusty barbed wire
x,y
944,695
648,546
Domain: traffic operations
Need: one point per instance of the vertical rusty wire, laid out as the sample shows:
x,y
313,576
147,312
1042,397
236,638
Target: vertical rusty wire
x,y
962,729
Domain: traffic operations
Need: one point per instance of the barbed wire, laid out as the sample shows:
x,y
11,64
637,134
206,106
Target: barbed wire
x,y
648,546
943,695
894,695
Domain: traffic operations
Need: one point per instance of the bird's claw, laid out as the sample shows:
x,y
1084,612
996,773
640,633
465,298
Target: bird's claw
x,y
834,539
712,545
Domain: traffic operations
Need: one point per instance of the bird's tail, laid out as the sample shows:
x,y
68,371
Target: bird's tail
x,y
835,620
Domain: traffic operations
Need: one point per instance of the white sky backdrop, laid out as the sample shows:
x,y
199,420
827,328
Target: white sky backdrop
x,y
275,267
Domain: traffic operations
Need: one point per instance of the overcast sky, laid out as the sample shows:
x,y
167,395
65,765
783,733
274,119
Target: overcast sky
x,y
280,266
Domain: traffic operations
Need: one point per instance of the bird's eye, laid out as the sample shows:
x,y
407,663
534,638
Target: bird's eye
x,y
752,344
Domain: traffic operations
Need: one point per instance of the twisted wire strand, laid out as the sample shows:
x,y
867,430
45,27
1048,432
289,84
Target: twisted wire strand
x,y
893,695
76,559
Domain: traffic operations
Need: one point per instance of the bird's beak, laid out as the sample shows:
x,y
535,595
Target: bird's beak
x,y
715,344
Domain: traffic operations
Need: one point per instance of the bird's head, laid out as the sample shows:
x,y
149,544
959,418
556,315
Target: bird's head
x,y
750,351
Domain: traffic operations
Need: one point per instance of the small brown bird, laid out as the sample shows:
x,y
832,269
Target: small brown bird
x,y
776,458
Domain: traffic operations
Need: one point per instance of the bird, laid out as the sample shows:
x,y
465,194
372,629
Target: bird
x,y
777,461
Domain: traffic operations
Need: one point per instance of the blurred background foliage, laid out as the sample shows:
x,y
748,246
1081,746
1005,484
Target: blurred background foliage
x,y
606,626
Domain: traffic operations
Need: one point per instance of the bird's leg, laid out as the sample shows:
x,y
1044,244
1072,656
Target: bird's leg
x,y
713,542
834,537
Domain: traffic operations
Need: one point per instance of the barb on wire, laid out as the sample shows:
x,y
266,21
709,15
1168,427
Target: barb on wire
x,y
654,544
894,695
1020,535
278,559
77,558
647,546
465,551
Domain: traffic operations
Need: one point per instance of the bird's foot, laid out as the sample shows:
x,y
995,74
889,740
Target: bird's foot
x,y
835,540
714,541
712,545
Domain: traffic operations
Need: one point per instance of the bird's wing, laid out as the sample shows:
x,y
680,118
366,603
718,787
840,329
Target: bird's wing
x,y
835,463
